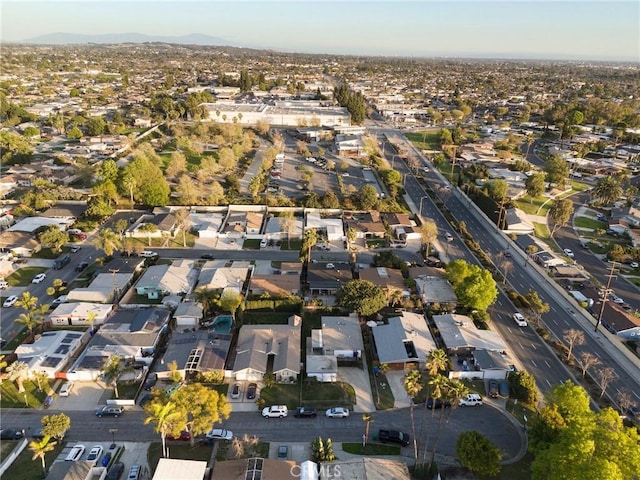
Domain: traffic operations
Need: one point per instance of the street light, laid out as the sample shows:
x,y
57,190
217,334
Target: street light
x,y
113,432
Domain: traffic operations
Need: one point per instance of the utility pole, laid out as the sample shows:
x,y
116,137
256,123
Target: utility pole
x,y
605,297
116,293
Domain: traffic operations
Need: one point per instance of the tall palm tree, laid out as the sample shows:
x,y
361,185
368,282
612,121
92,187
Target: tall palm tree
x,y
114,367
30,320
40,450
165,417
27,301
367,419
437,361
286,221
308,240
607,190
452,391
413,385
108,241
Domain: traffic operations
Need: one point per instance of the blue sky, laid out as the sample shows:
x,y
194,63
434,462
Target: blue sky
x,y
575,29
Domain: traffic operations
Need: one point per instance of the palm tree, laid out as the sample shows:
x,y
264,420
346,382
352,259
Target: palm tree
x,y
41,379
91,318
17,372
40,450
413,386
30,320
182,221
607,190
113,368
367,419
452,391
165,417
206,298
27,302
437,361
108,241
286,221
309,239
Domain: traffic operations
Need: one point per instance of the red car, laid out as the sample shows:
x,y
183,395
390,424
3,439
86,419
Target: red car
x,y
184,437
81,236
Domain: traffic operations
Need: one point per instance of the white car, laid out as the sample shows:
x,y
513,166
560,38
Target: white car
x,y
519,319
337,412
75,454
471,400
66,389
634,264
275,411
95,454
148,254
568,252
10,301
220,434
39,278
617,299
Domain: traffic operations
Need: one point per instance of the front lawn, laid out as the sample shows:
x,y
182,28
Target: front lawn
x,y
251,244
24,468
310,393
425,139
49,254
370,449
30,398
587,222
531,206
23,277
541,230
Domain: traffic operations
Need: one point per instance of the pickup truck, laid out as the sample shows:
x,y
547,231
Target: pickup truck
x,y
394,436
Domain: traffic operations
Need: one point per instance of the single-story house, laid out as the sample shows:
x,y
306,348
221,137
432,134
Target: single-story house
x,y
103,288
341,337
259,344
76,313
274,229
160,280
460,335
31,224
219,278
323,368
256,469
82,470
171,469
325,281
516,221
275,285
333,228
19,244
389,280
404,342
435,289
366,468
51,351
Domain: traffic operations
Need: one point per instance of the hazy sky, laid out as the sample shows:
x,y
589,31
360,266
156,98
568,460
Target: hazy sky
x,y
575,29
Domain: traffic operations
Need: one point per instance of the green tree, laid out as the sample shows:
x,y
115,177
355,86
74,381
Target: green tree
x,y
607,190
96,126
52,237
367,197
560,213
534,185
497,189
167,419
309,239
413,385
108,170
523,386
40,448
148,228
27,302
107,241
144,181
200,407
361,296
478,454
557,170
114,367
55,426
474,286
74,133
428,234
30,319
230,301
536,305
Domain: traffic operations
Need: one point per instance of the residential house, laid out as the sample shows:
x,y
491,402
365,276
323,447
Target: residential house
x,y
195,351
73,471
213,277
31,224
461,336
331,228
276,285
19,244
341,337
258,345
274,229
207,225
77,313
404,342
516,221
104,288
367,225
390,280
67,210
436,289
365,468
133,334
323,281
256,469
51,351
160,280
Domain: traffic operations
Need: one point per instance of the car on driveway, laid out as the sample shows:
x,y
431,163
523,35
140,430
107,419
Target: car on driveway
x,y
337,412
283,452
235,390
493,388
519,319
66,389
39,278
251,391
10,434
568,252
219,434
94,454
275,411
10,301
305,412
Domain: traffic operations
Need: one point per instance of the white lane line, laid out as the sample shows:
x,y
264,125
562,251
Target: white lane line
x,y
534,363
548,365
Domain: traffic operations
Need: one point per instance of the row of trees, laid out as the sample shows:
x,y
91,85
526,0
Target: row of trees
x,y
353,101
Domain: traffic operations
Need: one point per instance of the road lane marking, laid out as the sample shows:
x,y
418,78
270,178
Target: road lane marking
x,y
548,365
533,346
548,382
534,363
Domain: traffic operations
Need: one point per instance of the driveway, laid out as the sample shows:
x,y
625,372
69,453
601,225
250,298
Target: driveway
x,y
359,380
396,382
85,396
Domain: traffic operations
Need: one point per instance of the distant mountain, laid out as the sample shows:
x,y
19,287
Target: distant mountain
x,y
61,38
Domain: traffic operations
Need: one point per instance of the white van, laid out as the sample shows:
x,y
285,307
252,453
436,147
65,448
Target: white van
x,y
471,400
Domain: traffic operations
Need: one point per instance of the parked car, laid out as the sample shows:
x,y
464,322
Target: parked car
x,y
75,249
10,301
471,400
235,390
569,253
437,403
4,284
275,411
75,454
283,452
449,237
152,379
115,472
106,459
251,391
94,454
81,266
59,300
109,411
10,434
220,434
39,278
81,236
148,254
394,436
634,265
305,412
66,389
337,412
519,319
146,398
493,388
207,256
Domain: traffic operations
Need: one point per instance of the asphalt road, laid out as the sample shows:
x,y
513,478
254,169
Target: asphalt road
x,y
86,427
533,354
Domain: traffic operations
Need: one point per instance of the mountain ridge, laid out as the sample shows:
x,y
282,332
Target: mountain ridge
x,y
63,38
